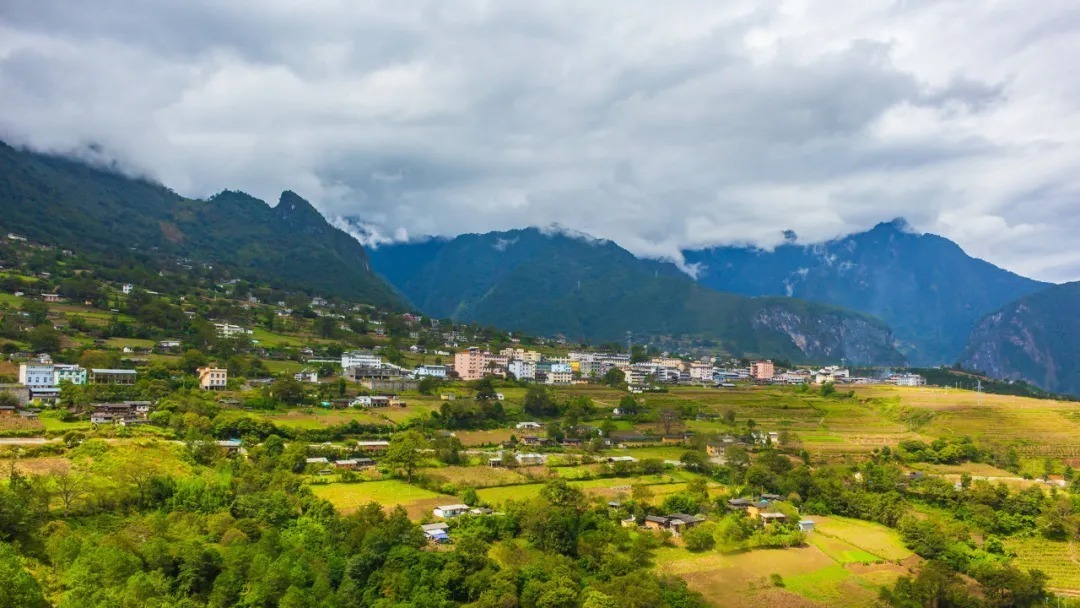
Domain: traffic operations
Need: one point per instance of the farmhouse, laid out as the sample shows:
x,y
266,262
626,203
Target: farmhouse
x,y
447,511
770,517
676,523
373,446
436,533
352,464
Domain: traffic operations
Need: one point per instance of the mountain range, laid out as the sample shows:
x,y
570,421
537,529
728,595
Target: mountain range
x,y
59,201
1034,339
545,282
924,286
877,297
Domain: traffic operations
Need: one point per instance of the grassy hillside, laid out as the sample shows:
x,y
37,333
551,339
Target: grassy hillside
x,y
68,204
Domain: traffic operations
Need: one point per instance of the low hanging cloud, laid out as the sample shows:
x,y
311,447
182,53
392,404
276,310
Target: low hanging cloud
x,y
661,126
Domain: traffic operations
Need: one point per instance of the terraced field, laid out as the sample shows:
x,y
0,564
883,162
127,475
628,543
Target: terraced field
x,y
1059,560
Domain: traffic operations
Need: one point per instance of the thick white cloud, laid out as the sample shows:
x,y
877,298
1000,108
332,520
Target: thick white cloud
x,y
658,125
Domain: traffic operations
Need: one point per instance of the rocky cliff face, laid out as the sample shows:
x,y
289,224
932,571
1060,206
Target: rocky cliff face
x,y
853,339
1034,339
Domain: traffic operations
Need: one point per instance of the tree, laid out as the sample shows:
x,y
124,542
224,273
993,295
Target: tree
x,y
44,339
326,327
828,389
404,452
469,496
69,488
670,419
428,385
37,312
17,587
539,402
614,377
288,390
192,360
699,538
485,389
628,406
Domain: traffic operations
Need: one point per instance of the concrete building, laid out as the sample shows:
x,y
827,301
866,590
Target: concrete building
x,y
213,378
560,377
112,376
762,370
470,364
701,372
447,511
68,373
522,369
910,380
36,375
360,358
430,371
227,330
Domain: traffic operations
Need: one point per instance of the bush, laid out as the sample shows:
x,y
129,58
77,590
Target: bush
x,y
699,538
776,580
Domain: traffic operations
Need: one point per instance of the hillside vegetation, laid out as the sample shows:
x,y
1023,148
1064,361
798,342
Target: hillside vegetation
x,y
595,291
117,218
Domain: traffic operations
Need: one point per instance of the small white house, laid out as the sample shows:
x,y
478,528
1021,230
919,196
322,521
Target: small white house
x,y
528,425
447,511
531,459
806,525
307,375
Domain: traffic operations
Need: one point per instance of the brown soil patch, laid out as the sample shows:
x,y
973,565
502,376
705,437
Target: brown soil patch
x,y
42,466
171,232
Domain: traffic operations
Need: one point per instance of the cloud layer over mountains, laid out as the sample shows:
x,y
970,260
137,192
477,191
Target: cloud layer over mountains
x,y
661,126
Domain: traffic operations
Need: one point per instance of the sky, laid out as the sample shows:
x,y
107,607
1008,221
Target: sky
x,y
659,125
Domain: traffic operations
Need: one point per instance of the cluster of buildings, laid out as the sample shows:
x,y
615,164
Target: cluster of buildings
x,y
474,363
43,378
125,413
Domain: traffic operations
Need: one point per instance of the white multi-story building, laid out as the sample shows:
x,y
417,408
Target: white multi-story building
x,y
36,375
910,380
227,330
560,377
522,370
701,372
430,371
562,368
360,358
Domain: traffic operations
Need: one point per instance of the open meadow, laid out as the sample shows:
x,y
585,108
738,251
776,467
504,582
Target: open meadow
x,y
348,497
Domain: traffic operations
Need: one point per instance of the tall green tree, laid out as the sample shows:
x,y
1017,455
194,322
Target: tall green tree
x,y
404,452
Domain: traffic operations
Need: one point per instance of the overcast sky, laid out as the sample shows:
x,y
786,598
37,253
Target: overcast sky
x,y
660,125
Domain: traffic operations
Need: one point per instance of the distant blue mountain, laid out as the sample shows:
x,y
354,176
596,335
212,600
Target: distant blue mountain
x,y
548,283
924,286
